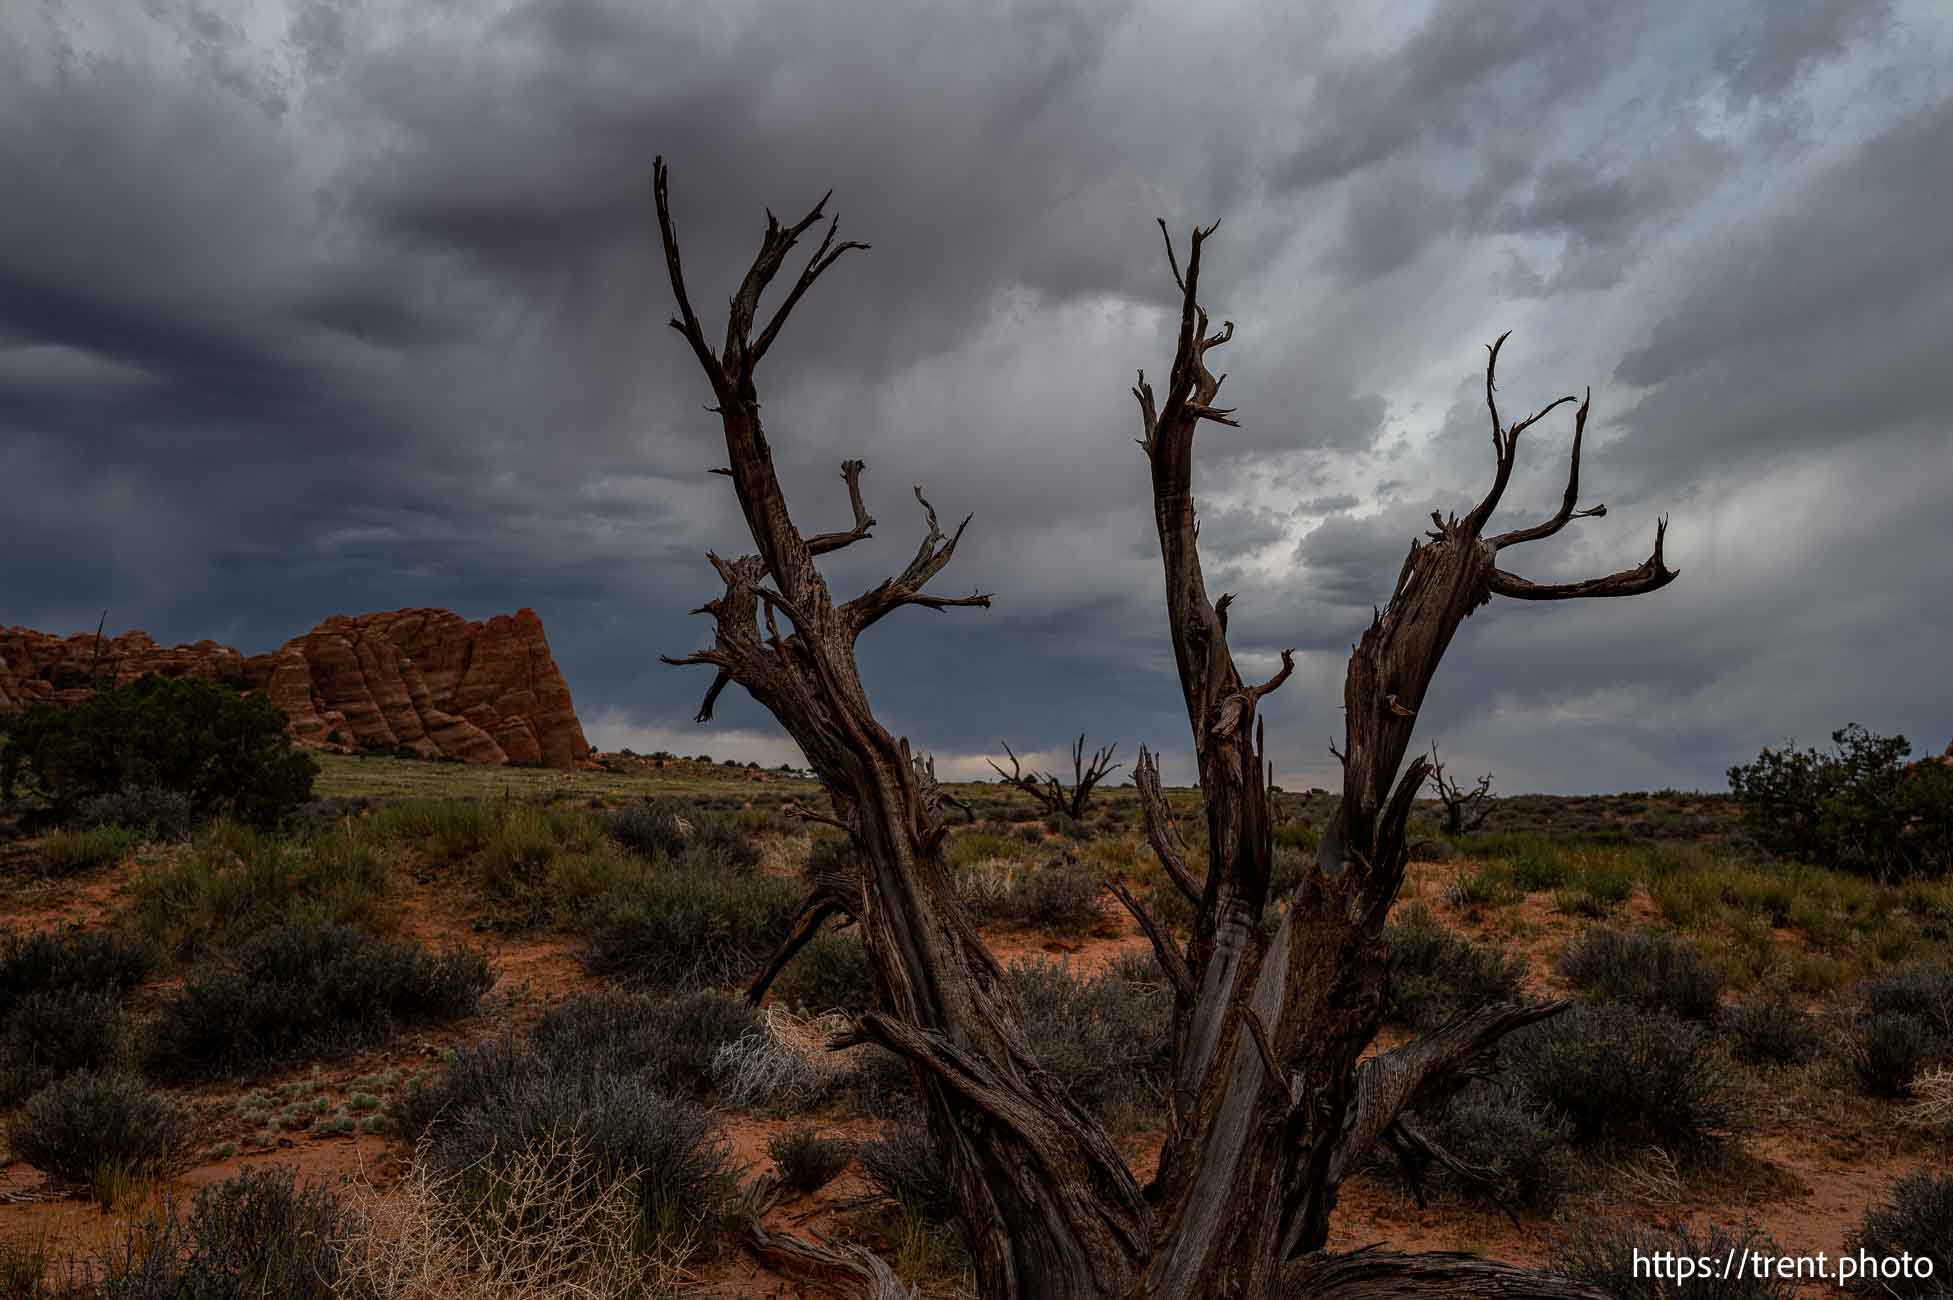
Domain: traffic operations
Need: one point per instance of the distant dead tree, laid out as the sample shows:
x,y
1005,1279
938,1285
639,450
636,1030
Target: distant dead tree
x,y
1049,791
1464,810
1268,1108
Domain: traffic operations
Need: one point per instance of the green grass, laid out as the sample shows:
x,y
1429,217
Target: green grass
x,y
66,852
348,776
1532,861
232,881
967,848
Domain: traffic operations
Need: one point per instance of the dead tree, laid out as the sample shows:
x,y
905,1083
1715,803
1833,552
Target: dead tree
x,y
1048,1204
1272,1103
1464,810
1049,791
1267,1109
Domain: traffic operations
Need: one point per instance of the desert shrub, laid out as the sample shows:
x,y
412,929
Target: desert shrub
x,y
265,1233
1923,991
1623,1075
669,1042
60,1005
511,1103
515,858
1606,879
1604,1254
472,1076
234,880
1533,862
828,854
449,828
765,1069
1498,1127
830,974
1436,973
1915,1218
970,847
307,989
655,827
1106,1037
718,844
1860,809
1291,864
252,1236
1647,968
1489,885
1898,1024
1888,1050
226,752
77,960
1582,902
334,814
161,814
674,832
904,1165
87,1124
548,1227
687,927
1058,898
1770,1029
1067,825
54,1033
1299,837
67,852
807,1161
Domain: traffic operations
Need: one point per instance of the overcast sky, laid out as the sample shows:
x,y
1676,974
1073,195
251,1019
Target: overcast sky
x,y
343,305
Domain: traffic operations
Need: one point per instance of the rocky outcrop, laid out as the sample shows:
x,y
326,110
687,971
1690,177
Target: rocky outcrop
x,y
36,666
427,679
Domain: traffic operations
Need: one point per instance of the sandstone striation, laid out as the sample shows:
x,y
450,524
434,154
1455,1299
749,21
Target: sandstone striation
x,y
427,679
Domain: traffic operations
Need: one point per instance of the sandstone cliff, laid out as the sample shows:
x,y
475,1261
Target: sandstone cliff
x,y
424,678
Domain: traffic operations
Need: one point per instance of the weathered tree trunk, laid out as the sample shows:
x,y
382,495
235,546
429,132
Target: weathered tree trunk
x,y
1050,1208
1272,1105
1268,1107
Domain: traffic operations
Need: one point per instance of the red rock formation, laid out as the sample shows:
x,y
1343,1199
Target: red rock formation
x,y
425,678
36,666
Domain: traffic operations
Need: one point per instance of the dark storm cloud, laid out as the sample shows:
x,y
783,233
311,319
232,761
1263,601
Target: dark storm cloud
x,y
326,306
1820,323
1773,48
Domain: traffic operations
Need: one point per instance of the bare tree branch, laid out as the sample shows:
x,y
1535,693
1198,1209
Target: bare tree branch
x,y
1165,950
1161,832
863,521
820,1260
824,257
1650,575
1505,442
1377,1274
1427,1070
1049,791
720,680
1464,811
905,588
687,321
1567,503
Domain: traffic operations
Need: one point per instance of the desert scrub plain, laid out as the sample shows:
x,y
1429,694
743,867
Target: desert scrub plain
x,y
481,1032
